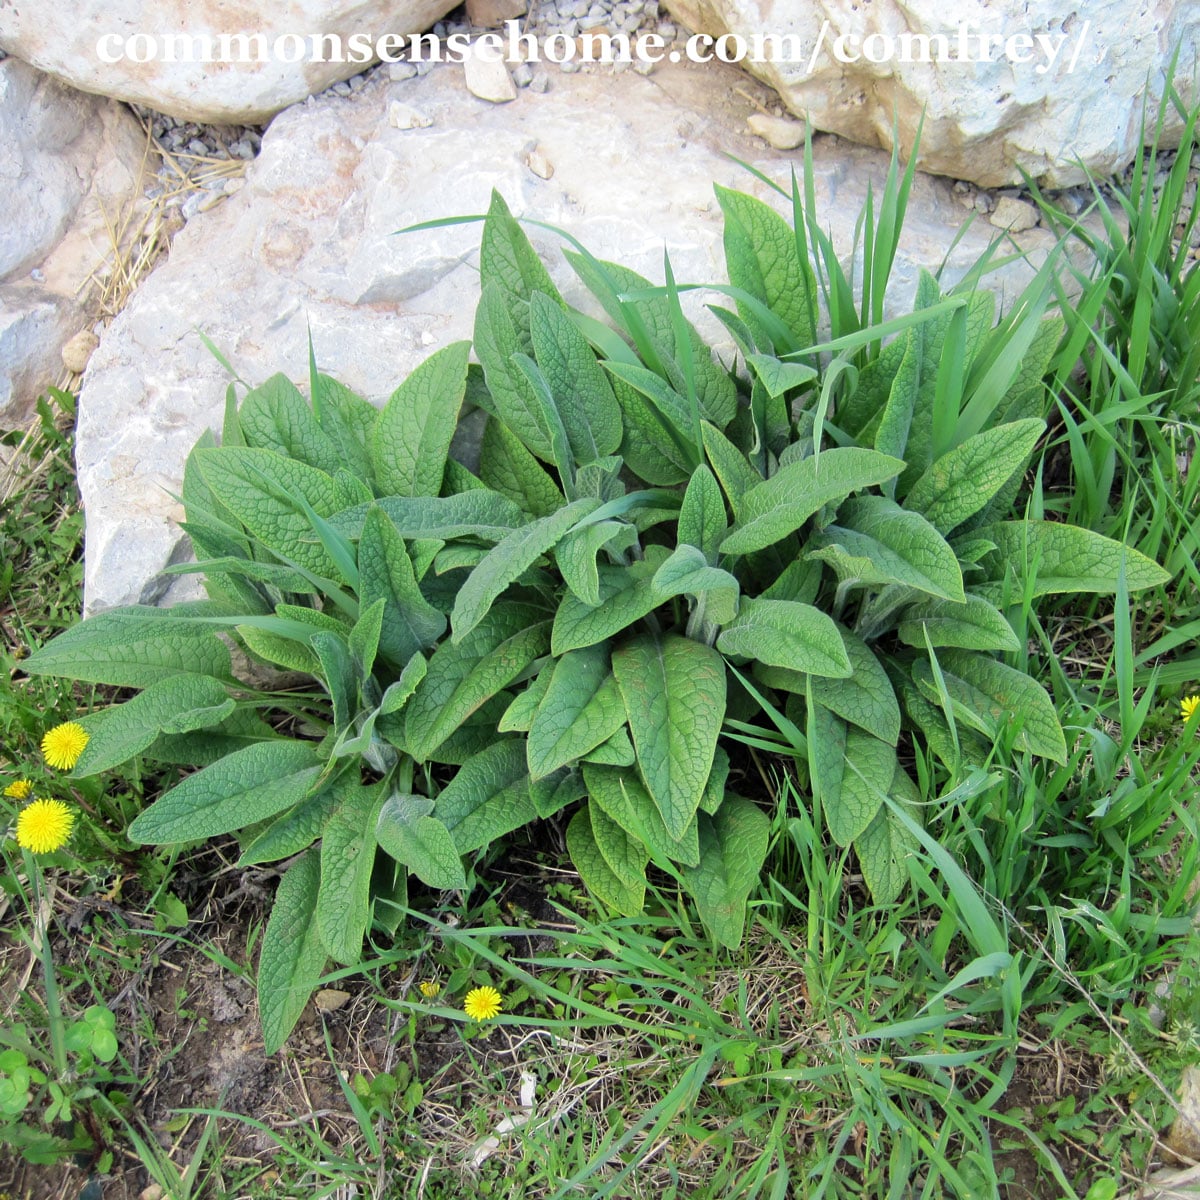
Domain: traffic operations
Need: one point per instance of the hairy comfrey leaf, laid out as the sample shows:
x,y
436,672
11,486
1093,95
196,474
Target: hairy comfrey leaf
x,y
406,830
702,520
783,633
626,595
480,514
973,624
625,854
961,482
674,693
293,956
507,260
576,555
885,844
508,560
987,695
506,466
852,771
1049,558
179,704
347,857
622,796
771,510
244,787
488,798
411,439
581,708
687,572
733,848
598,877
901,545
275,416
864,698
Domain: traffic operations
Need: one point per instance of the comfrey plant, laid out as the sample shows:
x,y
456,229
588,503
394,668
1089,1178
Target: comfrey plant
x,y
650,540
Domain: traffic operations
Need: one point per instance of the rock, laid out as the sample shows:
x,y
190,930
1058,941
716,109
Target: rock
x,y
330,1000
777,131
485,14
400,71
311,240
487,75
96,45
538,163
1014,215
70,165
404,116
984,120
78,350
1184,1138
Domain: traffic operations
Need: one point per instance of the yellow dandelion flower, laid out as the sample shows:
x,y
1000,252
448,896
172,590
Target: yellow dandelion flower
x,y
429,988
44,826
19,789
63,745
1188,707
482,1003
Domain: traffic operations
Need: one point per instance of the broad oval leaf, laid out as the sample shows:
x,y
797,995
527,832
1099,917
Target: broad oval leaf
x,y
422,843
598,877
488,798
783,633
347,858
972,625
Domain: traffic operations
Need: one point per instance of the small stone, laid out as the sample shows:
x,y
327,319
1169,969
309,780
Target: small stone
x,y
488,13
643,66
424,66
404,116
232,186
191,205
1184,1138
242,149
427,338
198,148
341,89
330,1000
522,75
667,31
568,68
151,1192
536,160
539,83
78,350
983,203
398,72
1014,215
487,79
777,131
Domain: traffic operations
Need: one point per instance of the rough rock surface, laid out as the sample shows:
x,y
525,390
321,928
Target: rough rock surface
x,y
310,240
62,40
984,121
68,165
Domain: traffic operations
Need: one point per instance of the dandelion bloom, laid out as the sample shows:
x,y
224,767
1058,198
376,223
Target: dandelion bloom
x,y
44,826
429,988
1188,707
482,1003
19,789
63,745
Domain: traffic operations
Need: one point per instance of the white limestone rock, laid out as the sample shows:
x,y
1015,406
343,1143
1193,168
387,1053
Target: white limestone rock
x,y
984,120
69,164
311,241
65,40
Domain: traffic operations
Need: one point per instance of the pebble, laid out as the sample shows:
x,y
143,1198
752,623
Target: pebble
x,y
487,79
539,83
1014,215
404,116
400,71
330,999
777,131
78,350
522,75
538,163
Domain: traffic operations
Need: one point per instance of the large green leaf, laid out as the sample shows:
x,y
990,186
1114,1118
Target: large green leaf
x,y
865,697
652,451
421,842
626,855
410,622
702,520
972,625
275,416
599,878
778,506
480,514
292,957
582,394
885,845
293,831
895,545
180,704
1047,558
510,559
347,858
733,469
506,466
621,794
761,257
851,771
783,633
674,693
576,555
462,675
581,708
488,798
733,848
132,647
959,484
411,439
508,261
244,787
686,572
987,695
626,595
267,493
